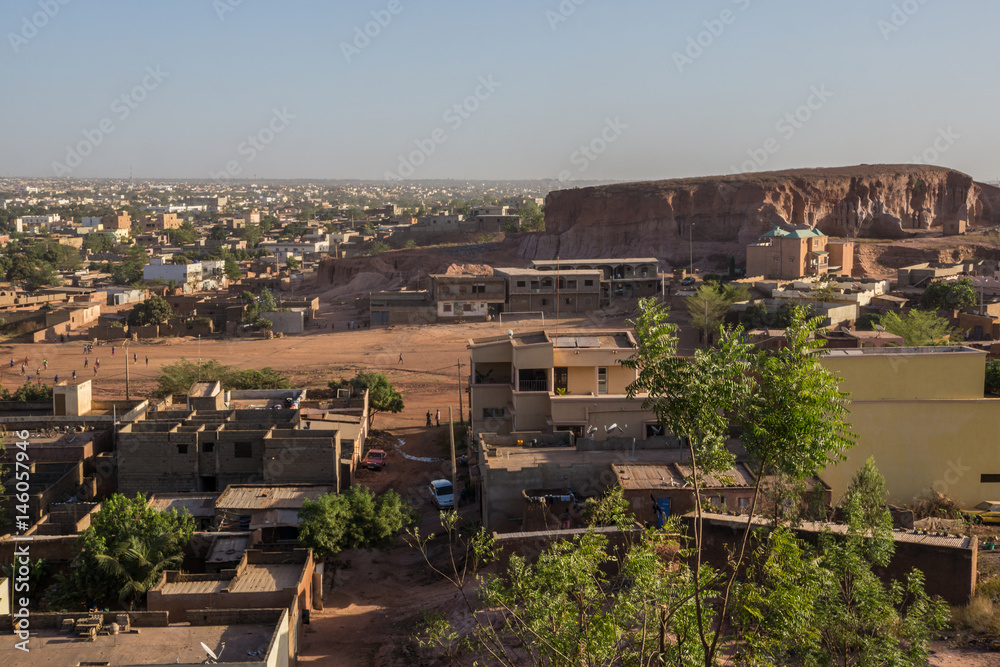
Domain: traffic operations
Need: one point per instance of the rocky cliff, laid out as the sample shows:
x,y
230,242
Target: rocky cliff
x,y
719,216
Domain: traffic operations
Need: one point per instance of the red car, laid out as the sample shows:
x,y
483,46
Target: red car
x,y
375,460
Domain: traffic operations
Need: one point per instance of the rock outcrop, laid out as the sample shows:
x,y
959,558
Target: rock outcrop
x,y
719,216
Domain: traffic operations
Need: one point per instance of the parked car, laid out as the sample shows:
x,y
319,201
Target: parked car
x,y
375,459
987,511
442,494
688,281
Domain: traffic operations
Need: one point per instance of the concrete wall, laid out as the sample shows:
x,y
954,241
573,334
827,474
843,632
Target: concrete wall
x,y
286,322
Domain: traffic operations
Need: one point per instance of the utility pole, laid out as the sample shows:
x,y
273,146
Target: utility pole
x,y
557,290
460,413
454,463
125,349
706,323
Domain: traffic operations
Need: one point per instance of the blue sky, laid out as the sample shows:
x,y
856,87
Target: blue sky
x,y
574,89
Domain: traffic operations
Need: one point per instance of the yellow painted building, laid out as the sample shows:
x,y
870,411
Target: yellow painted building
x,y
537,381
922,414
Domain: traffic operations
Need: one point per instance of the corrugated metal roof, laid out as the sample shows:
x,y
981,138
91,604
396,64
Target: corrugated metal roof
x,y
194,587
262,497
198,505
228,549
267,577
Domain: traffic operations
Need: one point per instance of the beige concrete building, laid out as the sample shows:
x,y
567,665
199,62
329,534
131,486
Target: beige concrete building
x,y
922,414
622,278
793,254
531,290
541,381
467,296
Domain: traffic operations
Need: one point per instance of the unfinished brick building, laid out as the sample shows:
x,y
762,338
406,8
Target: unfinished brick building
x,y
205,447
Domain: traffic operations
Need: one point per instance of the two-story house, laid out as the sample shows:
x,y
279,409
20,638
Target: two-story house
x,y
542,381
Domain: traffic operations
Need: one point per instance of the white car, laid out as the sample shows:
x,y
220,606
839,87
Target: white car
x,y
442,493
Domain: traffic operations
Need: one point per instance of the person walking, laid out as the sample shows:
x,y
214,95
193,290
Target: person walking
x,y
147,361
12,362
135,358
437,416
45,362
400,357
112,350
95,369
86,361
74,376
428,419
56,380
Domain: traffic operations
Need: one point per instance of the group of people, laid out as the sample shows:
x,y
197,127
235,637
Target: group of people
x,y
437,418
87,349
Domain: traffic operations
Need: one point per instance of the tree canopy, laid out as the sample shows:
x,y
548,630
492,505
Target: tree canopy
x,y
122,553
382,395
953,295
355,519
177,378
919,327
154,310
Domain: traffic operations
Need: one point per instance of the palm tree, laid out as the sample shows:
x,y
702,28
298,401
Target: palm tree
x,y
138,562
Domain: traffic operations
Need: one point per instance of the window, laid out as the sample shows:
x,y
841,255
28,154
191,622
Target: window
x,y
602,380
543,302
182,449
743,503
494,413
571,284
479,289
569,301
547,282
208,447
588,283
534,284
466,307
243,450
520,283
462,289
447,308
989,479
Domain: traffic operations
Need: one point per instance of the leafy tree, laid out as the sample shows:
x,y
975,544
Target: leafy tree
x,y
177,378
232,269
137,563
184,234
267,222
919,328
98,243
993,377
532,218
252,234
355,519
293,230
953,295
707,307
154,310
379,247
267,302
28,393
292,263
382,396
122,524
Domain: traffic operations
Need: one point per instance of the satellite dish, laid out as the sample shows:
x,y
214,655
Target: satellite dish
x,y
878,327
611,428
510,334
592,430
210,652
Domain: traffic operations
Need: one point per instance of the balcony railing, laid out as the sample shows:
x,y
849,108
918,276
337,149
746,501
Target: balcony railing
x,y
533,385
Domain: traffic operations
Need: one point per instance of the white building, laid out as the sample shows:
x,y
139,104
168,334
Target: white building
x,y
158,269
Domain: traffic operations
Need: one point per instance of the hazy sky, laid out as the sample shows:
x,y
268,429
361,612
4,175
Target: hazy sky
x,y
571,89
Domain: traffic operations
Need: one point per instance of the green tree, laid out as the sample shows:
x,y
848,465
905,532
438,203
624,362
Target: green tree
x,y
218,233
952,295
993,377
292,263
919,328
121,522
378,247
177,378
232,269
252,234
382,395
184,234
707,306
154,310
355,519
532,218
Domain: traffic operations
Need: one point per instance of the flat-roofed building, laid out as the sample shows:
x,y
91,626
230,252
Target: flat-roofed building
x,y
468,296
570,292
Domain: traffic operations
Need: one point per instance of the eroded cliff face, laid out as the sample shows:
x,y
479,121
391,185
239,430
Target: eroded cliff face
x,y
719,216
